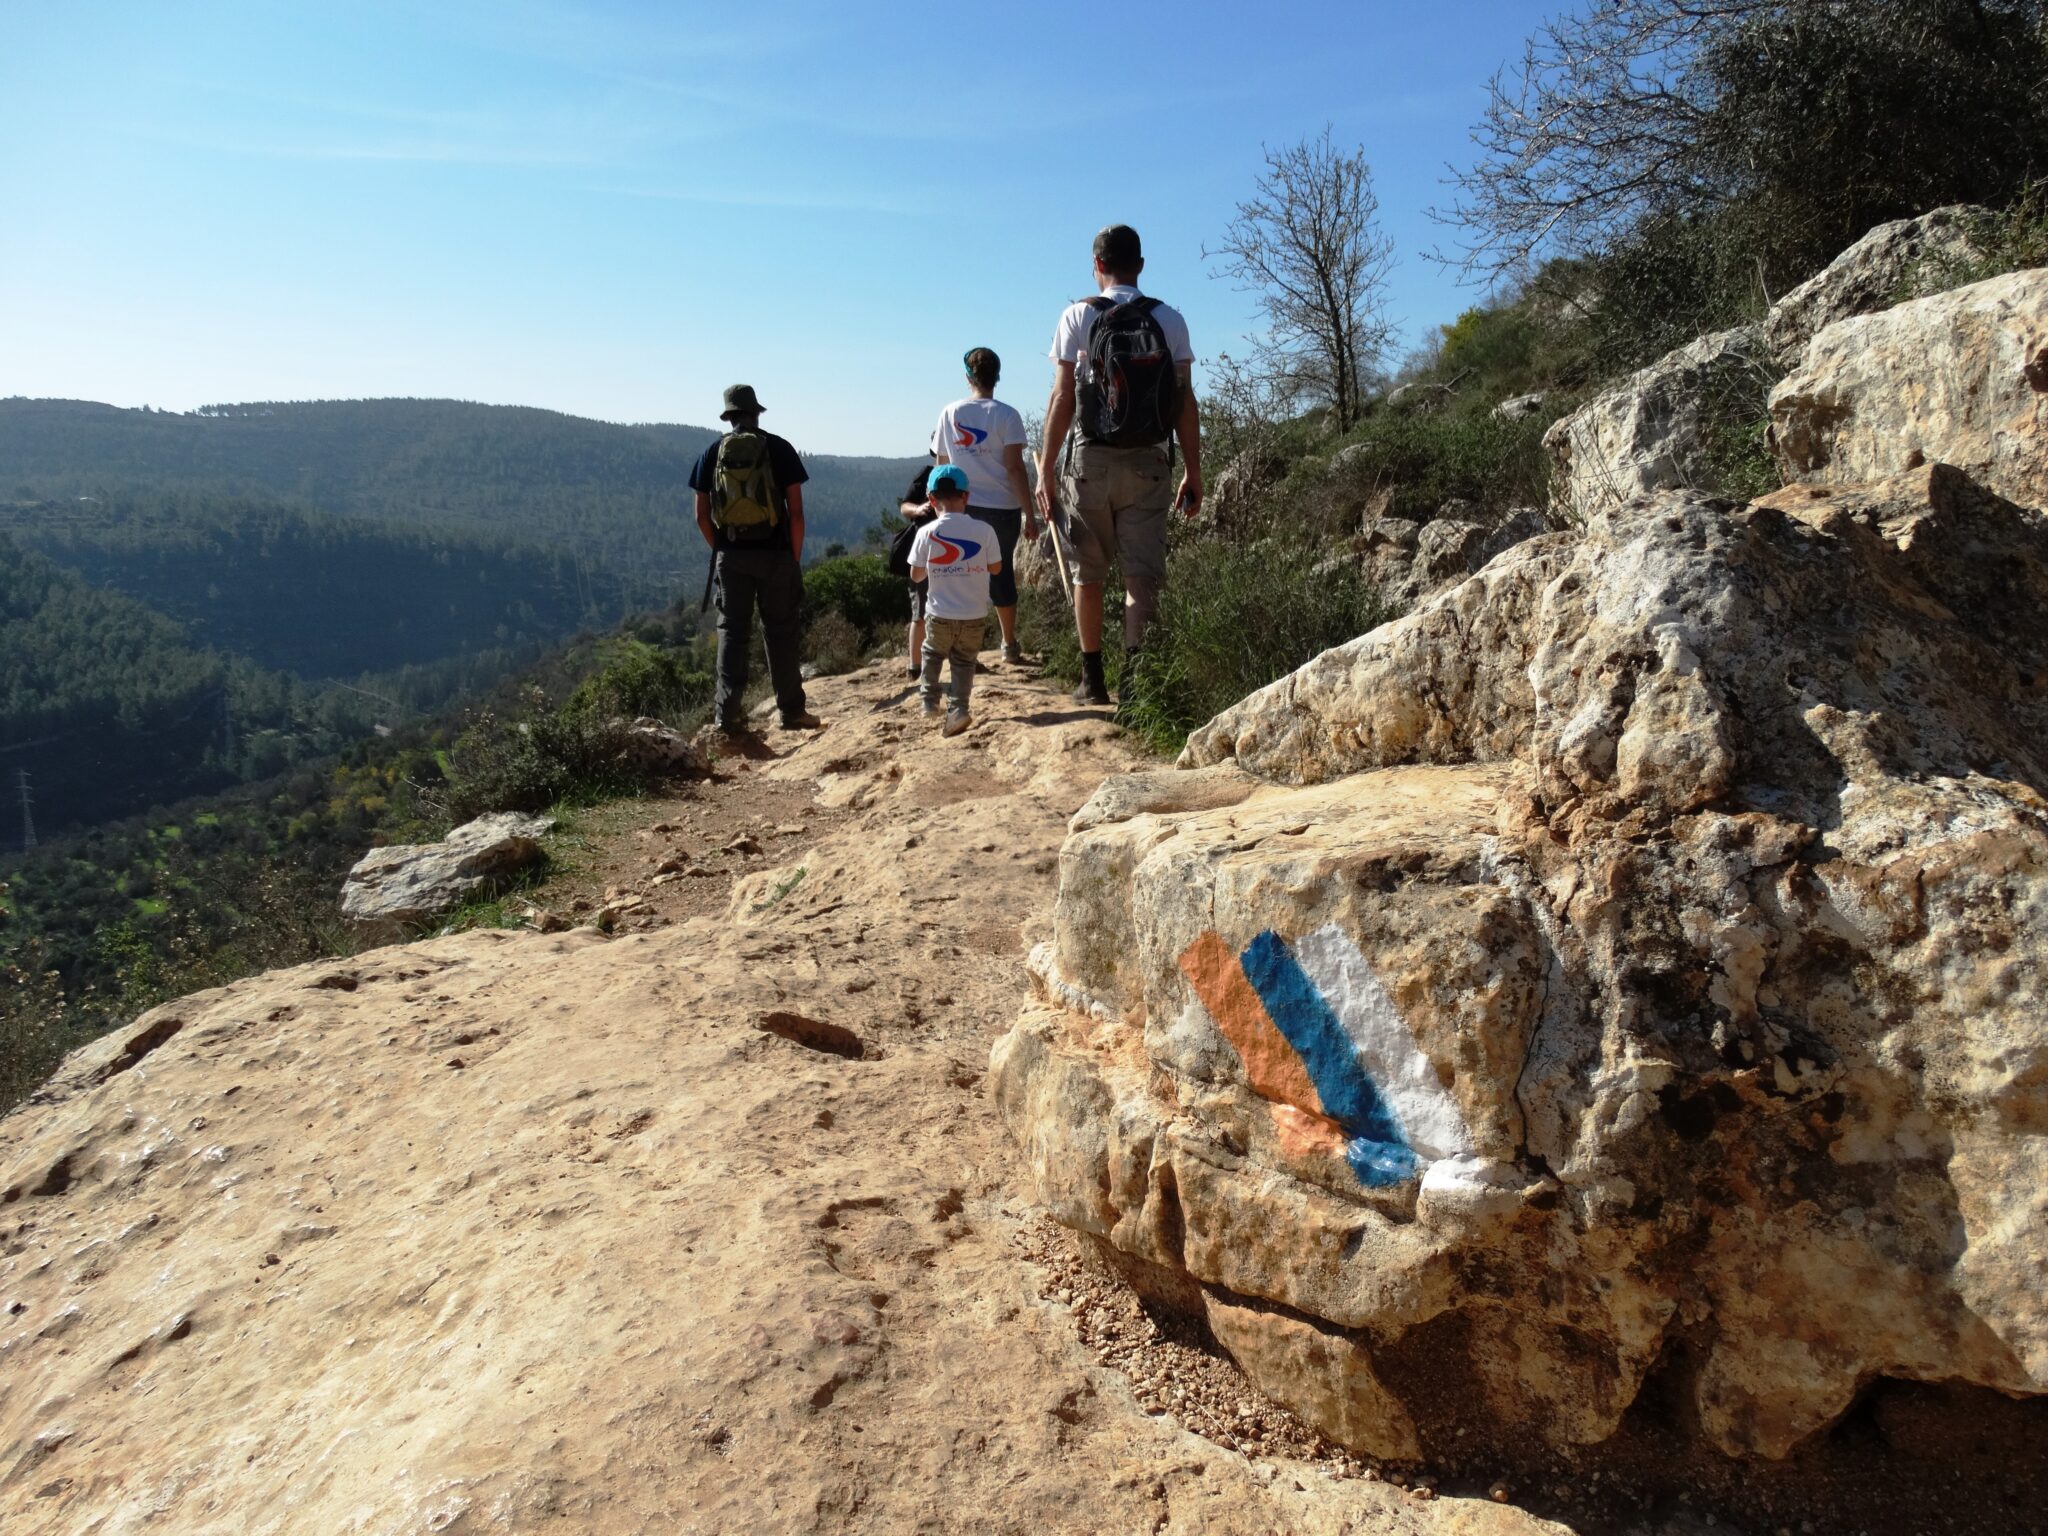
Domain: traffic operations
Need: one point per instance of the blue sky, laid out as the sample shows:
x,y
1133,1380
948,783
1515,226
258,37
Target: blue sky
x,y
614,210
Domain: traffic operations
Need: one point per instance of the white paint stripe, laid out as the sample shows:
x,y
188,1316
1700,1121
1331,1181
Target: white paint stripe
x,y
1407,1080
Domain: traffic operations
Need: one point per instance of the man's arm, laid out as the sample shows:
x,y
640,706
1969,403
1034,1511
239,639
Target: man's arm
x,y
704,520
1059,416
1189,430
918,572
795,495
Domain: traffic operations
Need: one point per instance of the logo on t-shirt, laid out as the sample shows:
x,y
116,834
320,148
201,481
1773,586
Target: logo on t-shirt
x,y
953,550
970,437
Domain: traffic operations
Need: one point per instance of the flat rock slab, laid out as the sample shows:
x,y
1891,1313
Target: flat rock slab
x,y
395,891
632,1265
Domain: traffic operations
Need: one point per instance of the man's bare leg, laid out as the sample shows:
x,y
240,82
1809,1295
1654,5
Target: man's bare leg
x,y
1088,614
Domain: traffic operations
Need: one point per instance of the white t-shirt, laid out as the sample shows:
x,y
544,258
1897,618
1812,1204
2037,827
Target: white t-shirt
x,y
956,551
973,434
1070,336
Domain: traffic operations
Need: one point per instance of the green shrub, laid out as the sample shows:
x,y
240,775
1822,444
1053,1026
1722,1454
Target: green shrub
x,y
861,590
636,678
832,645
549,757
1233,618
1416,462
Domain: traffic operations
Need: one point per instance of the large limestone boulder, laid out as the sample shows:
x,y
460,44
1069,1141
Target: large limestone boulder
x,y
1960,378
1660,428
1630,967
1870,274
1408,561
393,892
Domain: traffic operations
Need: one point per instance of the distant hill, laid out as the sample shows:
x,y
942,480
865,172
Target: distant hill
x,y
110,708
612,497
320,596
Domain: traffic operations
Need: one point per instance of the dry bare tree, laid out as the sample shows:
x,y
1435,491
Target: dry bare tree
x,y
1835,111
1307,243
1595,126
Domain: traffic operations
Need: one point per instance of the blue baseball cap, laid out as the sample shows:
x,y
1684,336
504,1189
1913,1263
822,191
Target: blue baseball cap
x,y
946,477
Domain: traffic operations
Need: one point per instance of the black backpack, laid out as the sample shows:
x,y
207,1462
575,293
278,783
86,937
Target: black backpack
x,y
1130,397
899,547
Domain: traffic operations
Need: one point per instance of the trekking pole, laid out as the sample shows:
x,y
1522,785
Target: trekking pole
x,y
1059,555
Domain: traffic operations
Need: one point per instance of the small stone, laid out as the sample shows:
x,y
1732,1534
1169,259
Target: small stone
x,y
835,1328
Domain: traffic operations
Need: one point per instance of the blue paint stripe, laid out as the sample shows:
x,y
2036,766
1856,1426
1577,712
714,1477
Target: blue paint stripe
x,y
1379,1154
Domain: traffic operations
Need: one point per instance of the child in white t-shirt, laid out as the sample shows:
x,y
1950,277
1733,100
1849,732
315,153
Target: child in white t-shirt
x,y
955,555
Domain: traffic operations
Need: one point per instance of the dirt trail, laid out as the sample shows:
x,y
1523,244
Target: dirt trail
x,y
509,1232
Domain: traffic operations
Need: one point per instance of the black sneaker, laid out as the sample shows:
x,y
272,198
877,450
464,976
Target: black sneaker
x,y
1091,691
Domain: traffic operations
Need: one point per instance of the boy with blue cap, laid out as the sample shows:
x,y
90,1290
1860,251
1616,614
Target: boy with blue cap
x,y
956,554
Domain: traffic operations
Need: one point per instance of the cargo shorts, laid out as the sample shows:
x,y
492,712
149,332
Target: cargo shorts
x,y
1116,505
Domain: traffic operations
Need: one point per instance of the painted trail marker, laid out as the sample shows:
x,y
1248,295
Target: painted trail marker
x,y
1317,1030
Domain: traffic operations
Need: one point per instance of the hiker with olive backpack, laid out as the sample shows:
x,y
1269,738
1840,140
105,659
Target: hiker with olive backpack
x,y
750,510
1122,382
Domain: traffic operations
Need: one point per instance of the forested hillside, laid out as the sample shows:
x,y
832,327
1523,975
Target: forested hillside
x,y
612,497
318,596
110,708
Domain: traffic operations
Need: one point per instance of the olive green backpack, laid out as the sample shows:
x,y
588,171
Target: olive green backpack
x,y
743,505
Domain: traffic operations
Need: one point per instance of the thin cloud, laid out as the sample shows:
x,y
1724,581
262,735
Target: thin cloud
x,y
787,201
394,150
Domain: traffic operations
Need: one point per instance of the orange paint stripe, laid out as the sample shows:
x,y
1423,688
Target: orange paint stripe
x,y
1270,1064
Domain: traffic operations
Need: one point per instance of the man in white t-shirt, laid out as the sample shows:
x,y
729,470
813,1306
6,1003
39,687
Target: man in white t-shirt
x,y
986,438
955,555
1117,488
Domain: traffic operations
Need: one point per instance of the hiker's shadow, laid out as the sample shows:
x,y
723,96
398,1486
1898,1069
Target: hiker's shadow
x,y
752,746
1066,716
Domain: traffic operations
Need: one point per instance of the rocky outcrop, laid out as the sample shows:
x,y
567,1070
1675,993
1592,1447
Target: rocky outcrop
x,y
1662,427
651,750
1519,407
1408,561
1960,378
1870,275
394,892
1630,963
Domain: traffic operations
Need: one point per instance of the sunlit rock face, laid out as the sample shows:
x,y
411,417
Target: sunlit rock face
x,y
1631,959
1959,379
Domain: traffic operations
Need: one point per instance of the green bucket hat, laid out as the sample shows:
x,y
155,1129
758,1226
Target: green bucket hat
x,y
740,401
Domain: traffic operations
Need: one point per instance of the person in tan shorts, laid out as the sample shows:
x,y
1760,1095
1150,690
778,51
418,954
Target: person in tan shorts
x,y
1122,365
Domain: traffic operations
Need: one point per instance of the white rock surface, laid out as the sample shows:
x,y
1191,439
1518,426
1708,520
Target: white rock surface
x,y
394,891
1960,378
1635,960
1657,430
1869,275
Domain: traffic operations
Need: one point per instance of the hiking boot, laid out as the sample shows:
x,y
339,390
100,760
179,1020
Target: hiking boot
x,y
957,720
1013,653
1093,689
803,722
735,730
913,671
932,710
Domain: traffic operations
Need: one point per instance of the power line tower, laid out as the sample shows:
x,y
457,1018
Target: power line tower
x,y
28,811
